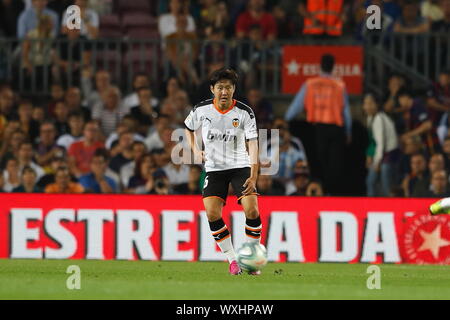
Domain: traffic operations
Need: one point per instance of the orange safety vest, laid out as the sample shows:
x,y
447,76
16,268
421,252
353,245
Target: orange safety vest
x,y
324,101
328,13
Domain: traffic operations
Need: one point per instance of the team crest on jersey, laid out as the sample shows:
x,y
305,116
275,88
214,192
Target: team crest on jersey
x,y
235,122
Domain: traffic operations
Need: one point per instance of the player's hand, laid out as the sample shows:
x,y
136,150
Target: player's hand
x,y
250,186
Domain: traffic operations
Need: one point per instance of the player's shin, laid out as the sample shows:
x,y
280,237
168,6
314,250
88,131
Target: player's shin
x,y
253,229
222,237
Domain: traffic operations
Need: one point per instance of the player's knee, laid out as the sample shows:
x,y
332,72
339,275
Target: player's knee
x,y
252,213
213,215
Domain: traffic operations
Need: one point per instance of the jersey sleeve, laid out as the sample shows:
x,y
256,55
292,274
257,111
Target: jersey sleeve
x,y
250,128
191,123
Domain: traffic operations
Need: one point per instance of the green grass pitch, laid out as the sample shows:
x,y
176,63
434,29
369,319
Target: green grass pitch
x,y
46,279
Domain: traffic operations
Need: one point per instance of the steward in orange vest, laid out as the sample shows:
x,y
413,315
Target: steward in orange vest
x,y
323,17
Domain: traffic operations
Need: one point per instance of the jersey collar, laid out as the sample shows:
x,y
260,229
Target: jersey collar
x,y
225,111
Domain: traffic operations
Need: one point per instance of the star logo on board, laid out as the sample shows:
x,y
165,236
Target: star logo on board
x,y
427,239
293,68
433,241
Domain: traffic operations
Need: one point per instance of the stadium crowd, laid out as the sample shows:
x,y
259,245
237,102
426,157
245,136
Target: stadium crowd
x,y
94,137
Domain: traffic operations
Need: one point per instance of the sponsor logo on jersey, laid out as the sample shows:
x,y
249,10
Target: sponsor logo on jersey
x,y
220,136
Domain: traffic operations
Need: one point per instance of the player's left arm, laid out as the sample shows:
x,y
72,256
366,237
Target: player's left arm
x,y
250,183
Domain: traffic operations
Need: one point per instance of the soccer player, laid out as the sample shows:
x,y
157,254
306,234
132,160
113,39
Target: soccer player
x,y
440,207
227,126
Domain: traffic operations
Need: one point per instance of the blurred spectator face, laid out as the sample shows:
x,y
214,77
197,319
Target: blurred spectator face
x,y
16,139
99,165
369,105
396,82
301,181
418,164
76,125
144,95
405,101
182,100
410,11
138,149
436,163
256,5
62,178
57,92
29,177
73,97
38,114
61,111
25,111
90,132
314,190
141,81
439,181
129,123
39,5
283,126
126,140
47,134
102,80
166,136
6,100
264,183
25,152
278,13
175,7
255,33
147,166
444,79
160,158
112,98
254,97
446,147
58,162
162,123
12,166
172,87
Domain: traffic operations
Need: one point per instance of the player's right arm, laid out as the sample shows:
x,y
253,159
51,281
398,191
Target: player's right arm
x,y
192,123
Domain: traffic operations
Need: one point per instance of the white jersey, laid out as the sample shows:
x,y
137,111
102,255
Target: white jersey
x,y
224,133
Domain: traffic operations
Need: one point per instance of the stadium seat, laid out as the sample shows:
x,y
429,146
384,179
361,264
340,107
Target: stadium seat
x,y
110,21
141,20
134,6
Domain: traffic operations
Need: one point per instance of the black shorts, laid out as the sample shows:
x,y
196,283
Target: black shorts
x,y
217,183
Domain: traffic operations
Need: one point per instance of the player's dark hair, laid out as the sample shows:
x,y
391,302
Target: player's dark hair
x,y
327,63
223,74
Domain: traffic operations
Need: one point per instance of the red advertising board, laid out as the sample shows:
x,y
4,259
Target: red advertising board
x,y
297,229
303,62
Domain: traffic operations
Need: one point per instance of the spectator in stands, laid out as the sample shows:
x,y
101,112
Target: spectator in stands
x,y
96,181
10,146
162,185
11,175
109,112
410,147
128,123
446,151
431,10
80,153
323,18
28,19
25,157
301,181
314,189
389,13
154,141
182,52
57,93
61,118
167,22
9,14
415,120
330,114
76,123
193,185
410,21
73,55
172,87
390,101
124,152
256,15
28,180
261,107
142,181
39,114
74,102
213,16
89,20
418,179
178,175
443,25
47,148
138,150
438,187
214,48
182,107
436,163
27,123
37,54
140,80
383,151
267,186
7,103
63,183
49,177
146,111
285,27
102,82
438,103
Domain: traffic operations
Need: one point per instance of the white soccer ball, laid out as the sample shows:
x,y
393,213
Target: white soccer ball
x,y
252,256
